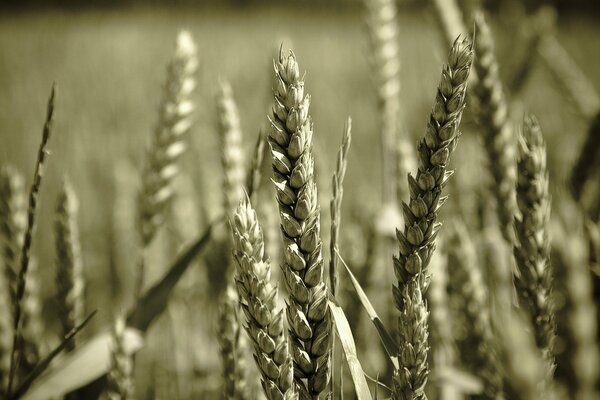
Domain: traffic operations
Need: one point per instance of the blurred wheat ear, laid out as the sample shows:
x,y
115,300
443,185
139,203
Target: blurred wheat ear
x,y
120,376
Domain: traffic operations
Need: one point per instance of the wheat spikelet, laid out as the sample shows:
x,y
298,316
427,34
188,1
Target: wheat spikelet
x,y
290,138
232,156
336,204
13,219
26,247
534,280
417,241
478,347
383,33
578,358
168,142
494,121
230,336
567,73
69,271
589,157
120,376
258,298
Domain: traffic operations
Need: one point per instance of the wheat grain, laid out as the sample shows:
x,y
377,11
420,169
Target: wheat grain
x,y
290,138
417,241
21,278
69,270
534,280
120,376
336,204
232,156
258,299
494,121
478,347
168,142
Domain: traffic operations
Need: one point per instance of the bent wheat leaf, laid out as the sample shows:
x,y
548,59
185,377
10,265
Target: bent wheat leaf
x,y
345,334
388,342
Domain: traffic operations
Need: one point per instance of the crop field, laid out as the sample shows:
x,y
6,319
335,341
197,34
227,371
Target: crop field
x,y
381,200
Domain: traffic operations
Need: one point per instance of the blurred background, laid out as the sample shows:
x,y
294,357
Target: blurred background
x,y
108,58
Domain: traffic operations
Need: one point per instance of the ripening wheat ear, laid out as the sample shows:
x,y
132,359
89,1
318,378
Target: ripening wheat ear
x,y
577,353
397,155
478,347
258,299
232,156
417,240
69,269
494,121
290,138
30,343
168,142
120,376
336,204
534,278
21,278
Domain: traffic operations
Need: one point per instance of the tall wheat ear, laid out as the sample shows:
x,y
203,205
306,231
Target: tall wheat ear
x,y
308,317
417,240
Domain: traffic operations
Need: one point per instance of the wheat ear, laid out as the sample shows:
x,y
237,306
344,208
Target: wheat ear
x,y
21,278
534,278
232,156
258,299
5,336
397,155
495,123
120,376
30,343
234,383
478,347
417,240
168,142
290,138
69,270
578,357
336,204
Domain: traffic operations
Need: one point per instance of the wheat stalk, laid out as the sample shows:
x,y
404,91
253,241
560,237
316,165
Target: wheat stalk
x,y
397,156
69,271
534,280
417,241
336,204
168,142
21,278
495,123
478,346
258,298
290,138
231,348
120,376
232,156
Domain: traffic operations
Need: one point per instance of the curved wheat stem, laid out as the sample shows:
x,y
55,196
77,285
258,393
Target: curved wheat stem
x,y
258,298
534,279
293,176
232,156
465,282
69,271
21,278
336,204
417,240
494,121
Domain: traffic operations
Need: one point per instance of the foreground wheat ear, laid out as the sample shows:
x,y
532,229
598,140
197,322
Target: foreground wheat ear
x,y
309,320
494,121
417,240
120,376
258,299
168,143
69,269
534,278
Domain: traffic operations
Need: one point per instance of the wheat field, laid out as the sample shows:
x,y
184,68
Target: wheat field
x,y
379,200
